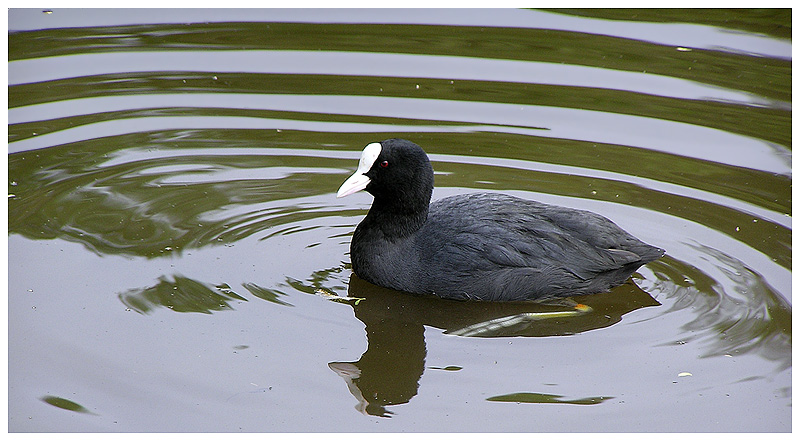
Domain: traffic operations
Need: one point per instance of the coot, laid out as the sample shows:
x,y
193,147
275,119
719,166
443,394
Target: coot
x,y
482,246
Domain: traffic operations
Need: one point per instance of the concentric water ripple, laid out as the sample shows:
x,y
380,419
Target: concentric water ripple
x,y
179,146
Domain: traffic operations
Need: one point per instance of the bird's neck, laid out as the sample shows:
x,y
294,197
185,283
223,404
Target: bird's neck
x,y
396,220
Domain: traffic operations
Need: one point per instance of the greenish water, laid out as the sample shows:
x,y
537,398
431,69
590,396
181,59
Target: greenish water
x,y
178,260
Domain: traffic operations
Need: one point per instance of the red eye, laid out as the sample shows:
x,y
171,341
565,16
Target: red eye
x,y
384,164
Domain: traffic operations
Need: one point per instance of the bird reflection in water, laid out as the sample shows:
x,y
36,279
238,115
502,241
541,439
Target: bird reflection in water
x,y
389,371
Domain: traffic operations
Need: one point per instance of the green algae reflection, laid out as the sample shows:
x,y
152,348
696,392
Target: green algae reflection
x,y
65,404
533,397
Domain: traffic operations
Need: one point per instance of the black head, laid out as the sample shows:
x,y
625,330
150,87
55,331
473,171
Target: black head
x,y
396,172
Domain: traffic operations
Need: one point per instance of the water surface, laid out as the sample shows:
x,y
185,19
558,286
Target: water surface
x,y
178,260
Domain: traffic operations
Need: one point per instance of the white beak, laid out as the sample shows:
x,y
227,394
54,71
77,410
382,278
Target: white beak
x,y
359,180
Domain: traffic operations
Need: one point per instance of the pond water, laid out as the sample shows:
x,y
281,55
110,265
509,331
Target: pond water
x,y
178,260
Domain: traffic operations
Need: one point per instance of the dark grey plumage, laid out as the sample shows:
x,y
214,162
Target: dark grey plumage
x,y
482,246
